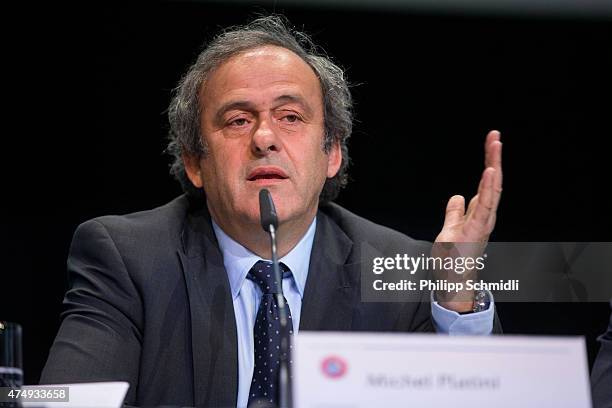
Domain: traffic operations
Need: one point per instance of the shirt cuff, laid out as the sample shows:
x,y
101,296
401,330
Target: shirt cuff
x,y
450,322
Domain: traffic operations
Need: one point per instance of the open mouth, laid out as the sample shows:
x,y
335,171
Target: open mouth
x,y
266,173
266,177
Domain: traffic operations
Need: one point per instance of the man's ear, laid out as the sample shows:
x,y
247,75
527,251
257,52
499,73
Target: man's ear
x,y
334,160
192,168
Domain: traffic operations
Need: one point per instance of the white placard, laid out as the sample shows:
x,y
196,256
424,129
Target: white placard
x,y
333,370
86,395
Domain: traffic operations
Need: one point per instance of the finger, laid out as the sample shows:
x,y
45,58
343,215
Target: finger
x,y
474,199
477,222
493,135
493,158
495,152
455,210
493,214
498,179
492,155
472,204
491,221
497,191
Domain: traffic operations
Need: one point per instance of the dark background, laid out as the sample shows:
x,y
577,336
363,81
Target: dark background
x,y
86,88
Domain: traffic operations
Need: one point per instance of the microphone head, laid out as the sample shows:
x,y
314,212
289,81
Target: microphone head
x,y
267,211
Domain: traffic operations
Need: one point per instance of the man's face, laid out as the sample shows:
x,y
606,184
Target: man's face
x,y
262,122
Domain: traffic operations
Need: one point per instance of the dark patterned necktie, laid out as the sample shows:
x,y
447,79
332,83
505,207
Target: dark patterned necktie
x,y
264,390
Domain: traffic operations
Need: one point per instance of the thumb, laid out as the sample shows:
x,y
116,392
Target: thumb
x,y
455,210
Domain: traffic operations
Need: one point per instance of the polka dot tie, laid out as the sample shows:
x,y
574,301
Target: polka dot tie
x,y
267,334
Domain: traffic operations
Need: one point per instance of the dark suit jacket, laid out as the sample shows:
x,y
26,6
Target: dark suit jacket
x,y
601,376
150,303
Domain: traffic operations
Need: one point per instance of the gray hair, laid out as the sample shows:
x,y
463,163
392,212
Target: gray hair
x,y
185,107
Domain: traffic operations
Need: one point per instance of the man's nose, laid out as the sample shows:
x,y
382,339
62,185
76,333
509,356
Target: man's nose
x,y
265,139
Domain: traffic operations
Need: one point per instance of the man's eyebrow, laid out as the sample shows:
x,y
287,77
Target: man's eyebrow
x,y
228,106
249,106
294,99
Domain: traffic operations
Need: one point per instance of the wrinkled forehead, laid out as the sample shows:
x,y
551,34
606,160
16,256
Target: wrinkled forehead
x,y
261,74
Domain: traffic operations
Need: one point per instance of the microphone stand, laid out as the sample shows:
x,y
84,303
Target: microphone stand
x,y
269,222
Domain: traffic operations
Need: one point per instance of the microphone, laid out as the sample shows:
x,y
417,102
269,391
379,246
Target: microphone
x,y
269,222
267,210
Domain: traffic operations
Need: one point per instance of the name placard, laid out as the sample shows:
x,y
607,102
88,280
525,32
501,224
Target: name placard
x,y
428,370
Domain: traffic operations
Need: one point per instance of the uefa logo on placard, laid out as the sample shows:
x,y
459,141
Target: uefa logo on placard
x,y
334,367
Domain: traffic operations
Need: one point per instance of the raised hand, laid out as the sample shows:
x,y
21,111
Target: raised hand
x,y
477,223
474,225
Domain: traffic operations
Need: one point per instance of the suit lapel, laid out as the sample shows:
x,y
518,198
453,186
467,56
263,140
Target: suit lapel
x,y
213,324
329,297
332,283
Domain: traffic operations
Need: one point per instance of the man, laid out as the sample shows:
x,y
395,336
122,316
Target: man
x,y
601,376
175,300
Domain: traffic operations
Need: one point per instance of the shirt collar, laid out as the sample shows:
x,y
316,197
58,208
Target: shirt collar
x,y
238,260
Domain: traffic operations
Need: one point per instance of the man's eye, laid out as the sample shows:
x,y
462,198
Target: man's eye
x,y
238,122
291,118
